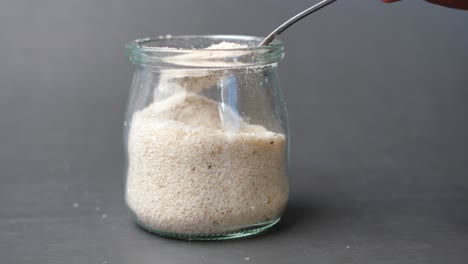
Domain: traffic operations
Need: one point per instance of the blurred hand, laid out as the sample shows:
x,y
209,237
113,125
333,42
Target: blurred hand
x,y
459,4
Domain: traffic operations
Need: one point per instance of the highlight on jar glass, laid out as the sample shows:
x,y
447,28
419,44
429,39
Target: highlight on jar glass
x,y
206,136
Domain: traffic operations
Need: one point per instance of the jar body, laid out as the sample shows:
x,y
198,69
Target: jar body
x,y
207,151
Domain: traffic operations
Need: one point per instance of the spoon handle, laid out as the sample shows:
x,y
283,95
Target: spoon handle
x,y
293,20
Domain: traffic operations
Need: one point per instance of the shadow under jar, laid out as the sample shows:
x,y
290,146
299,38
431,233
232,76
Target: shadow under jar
x,y
206,137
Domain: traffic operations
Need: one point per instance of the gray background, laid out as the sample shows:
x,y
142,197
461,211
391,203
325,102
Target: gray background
x,y
377,100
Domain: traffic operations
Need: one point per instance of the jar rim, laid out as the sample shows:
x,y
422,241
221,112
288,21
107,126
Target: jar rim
x,y
175,51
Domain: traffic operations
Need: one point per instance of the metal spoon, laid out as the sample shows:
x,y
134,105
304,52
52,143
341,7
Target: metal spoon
x,y
293,20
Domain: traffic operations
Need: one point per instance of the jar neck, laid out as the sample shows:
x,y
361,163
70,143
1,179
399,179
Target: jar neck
x,y
190,52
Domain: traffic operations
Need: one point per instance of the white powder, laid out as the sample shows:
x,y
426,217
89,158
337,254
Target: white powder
x,y
194,81
212,56
220,45
192,173
227,45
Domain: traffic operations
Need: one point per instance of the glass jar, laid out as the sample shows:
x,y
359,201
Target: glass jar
x,y
206,137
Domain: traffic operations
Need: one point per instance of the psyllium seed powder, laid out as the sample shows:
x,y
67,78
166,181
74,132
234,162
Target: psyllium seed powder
x,y
188,175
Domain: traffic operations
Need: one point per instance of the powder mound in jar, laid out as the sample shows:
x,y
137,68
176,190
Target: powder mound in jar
x,y
188,174
227,45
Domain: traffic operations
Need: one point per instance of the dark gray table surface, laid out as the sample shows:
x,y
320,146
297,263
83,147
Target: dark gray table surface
x,y
377,96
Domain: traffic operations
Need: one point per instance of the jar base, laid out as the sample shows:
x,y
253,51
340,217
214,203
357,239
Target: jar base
x,y
245,232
